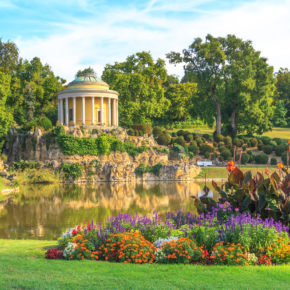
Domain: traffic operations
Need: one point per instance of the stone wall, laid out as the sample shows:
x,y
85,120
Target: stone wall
x,y
116,166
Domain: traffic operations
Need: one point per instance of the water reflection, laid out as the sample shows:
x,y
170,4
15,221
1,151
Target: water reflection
x,y
45,211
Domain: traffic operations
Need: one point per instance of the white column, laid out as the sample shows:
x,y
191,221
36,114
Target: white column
x,y
93,110
114,113
58,111
61,111
66,111
74,111
83,110
102,115
109,112
117,112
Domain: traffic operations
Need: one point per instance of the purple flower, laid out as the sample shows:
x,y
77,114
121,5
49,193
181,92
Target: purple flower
x,y
236,209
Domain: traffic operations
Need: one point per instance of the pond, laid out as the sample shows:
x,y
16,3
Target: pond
x,y
45,211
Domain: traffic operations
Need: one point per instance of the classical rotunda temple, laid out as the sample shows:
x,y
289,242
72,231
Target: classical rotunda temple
x,y
88,101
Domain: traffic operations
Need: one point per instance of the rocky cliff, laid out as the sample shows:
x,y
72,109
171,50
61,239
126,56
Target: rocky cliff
x,y
116,166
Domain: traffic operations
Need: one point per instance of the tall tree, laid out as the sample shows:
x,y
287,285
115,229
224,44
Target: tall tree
x,y
8,57
206,61
235,77
249,87
6,117
139,80
283,90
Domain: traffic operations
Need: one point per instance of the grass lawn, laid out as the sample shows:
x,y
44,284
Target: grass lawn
x,y
283,133
221,172
22,266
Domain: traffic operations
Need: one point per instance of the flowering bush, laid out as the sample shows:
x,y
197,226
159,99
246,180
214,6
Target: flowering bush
x,y
160,242
265,260
279,252
229,254
127,248
182,250
53,253
84,249
69,249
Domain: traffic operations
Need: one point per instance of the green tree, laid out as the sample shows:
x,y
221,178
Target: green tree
x,y
6,117
249,87
139,80
181,100
87,70
33,92
283,90
279,119
234,76
8,57
205,60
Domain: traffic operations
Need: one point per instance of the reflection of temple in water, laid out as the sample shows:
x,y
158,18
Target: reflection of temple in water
x,y
47,210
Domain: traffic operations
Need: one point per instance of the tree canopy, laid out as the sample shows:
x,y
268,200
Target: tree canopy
x,y
237,80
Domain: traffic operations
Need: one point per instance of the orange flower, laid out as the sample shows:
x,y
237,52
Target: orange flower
x,y
231,166
280,165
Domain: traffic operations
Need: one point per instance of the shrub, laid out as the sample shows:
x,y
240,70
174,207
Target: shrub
x,y
213,156
261,158
205,148
25,164
177,148
193,148
128,248
279,149
228,140
253,142
260,144
218,137
238,142
244,147
188,137
143,129
53,253
182,251
273,161
199,141
148,169
164,139
229,254
131,132
84,249
181,133
45,123
73,170
277,140
226,154
206,136
245,158
180,140
266,140
59,131
157,131
267,149
284,157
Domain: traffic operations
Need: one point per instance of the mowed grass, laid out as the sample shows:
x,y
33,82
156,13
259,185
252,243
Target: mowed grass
x,y
22,266
283,133
221,172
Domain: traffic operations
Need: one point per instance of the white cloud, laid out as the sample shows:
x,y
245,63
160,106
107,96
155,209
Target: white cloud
x,y
124,31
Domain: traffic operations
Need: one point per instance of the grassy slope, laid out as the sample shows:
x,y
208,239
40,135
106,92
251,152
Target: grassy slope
x,y
23,266
221,172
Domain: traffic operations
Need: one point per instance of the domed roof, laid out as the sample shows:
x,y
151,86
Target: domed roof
x,y
87,81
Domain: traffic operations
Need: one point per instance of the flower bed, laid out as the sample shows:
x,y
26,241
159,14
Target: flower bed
x,y
221,237
247,226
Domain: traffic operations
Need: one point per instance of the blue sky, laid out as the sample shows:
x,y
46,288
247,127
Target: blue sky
x,y
72,34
